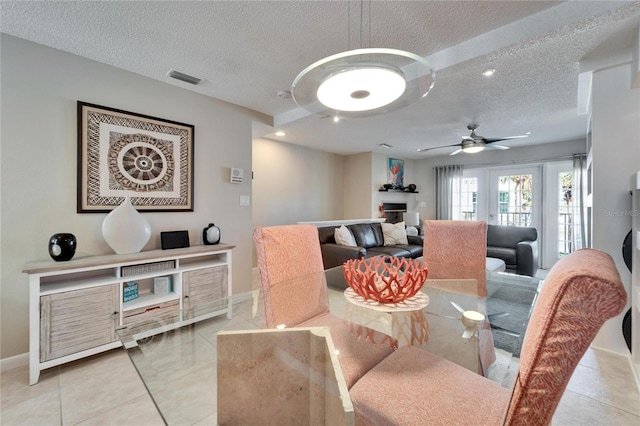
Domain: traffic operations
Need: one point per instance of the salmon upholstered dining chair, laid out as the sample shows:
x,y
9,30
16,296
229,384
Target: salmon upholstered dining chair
x,y
295,295
414,387
457,249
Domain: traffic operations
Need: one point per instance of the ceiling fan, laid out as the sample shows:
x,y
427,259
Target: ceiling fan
x,y
475,143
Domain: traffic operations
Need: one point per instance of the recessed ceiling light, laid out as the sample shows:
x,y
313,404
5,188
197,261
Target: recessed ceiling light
x,y
280,133
386,145
336,119
528,133
489,72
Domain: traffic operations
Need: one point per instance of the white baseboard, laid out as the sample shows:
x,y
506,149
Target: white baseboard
x,y
14,362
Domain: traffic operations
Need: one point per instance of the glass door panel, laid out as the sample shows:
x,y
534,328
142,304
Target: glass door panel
x,y
514,197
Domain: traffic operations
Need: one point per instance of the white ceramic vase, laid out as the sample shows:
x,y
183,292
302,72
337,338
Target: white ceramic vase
x,y
125,230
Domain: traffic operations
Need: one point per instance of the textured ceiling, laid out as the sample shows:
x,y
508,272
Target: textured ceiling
x,y
248,51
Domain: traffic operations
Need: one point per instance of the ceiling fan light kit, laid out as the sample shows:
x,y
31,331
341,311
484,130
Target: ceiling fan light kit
x,y
363,82
472,147
475,143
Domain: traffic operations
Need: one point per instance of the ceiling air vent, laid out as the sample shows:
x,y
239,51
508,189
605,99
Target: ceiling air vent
x,y
184,77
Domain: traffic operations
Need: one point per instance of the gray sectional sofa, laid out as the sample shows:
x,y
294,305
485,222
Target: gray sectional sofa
x,y
516,245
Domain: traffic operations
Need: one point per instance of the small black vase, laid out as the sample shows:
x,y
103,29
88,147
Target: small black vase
x,y
62,247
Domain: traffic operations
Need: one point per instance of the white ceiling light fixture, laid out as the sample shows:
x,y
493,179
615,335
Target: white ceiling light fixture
x,y
280,133
361,88
363,82
471,147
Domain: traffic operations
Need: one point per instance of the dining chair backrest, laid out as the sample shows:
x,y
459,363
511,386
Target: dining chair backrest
x,y
580,293
456,249
287,253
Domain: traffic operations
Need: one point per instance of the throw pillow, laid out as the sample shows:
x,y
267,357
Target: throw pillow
x,y
394,233
344,236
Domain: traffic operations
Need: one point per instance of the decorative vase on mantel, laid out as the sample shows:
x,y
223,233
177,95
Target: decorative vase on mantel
x,y
125,230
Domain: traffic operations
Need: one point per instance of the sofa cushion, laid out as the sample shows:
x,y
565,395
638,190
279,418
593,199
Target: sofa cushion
x,y
394,233
396,251
326,234
367,234
509,236
504,253
344,237
415,251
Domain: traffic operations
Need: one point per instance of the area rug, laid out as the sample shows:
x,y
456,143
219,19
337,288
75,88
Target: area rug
x,y
508,330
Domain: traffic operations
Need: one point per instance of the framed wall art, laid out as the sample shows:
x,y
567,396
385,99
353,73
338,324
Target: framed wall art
x,y
123,153
396,172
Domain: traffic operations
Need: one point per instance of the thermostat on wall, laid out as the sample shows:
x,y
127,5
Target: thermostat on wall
x,y
236,175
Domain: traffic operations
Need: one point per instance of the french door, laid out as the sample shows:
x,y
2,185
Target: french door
x,y
502,196
514,196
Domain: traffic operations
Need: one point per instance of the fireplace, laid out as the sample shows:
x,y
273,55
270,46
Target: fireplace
x,y
393,211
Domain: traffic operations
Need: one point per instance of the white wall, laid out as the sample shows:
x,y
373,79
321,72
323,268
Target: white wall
x,y
40,87
616,150
295,184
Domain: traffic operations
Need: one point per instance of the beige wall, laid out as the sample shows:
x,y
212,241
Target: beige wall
x,y
295,184
358,187
40,87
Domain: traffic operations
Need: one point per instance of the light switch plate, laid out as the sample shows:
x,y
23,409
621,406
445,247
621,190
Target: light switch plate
x,y
245,200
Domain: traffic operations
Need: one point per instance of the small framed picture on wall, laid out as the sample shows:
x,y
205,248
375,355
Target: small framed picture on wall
x,y
396,172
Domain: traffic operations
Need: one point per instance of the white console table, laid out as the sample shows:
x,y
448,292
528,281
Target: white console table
x,y
75,306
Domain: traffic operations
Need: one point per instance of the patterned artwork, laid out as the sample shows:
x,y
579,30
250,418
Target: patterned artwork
x,y
123,153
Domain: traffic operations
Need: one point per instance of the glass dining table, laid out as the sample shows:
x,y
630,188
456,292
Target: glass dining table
x,y
192,362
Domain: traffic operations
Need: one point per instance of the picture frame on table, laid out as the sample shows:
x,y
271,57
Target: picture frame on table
x,y
125,153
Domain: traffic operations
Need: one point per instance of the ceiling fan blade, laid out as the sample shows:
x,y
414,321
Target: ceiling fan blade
x,y
506,138
457,151
499,147
436,147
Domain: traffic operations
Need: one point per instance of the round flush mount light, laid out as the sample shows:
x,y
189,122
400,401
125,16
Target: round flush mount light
x,y
280,133
361,88
363,82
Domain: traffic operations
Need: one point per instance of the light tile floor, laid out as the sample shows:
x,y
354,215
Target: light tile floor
x,y
106,390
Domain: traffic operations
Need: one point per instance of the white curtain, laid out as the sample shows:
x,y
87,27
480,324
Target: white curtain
x,y
578,198
448,189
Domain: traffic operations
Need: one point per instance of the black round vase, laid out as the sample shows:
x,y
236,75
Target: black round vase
x,y
62,247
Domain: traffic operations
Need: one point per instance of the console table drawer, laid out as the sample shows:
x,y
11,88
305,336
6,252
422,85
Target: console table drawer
x,y
166,311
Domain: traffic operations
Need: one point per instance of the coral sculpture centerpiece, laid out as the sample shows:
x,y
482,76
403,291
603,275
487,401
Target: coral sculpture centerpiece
x,y
385,279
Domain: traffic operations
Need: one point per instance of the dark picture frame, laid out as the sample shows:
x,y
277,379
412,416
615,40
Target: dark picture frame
x,y
124,153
